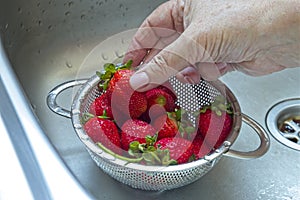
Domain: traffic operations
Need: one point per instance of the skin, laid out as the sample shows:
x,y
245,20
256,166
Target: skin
x,y
195,39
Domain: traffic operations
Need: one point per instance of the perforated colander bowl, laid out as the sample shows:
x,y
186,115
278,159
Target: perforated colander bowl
x,y
190,98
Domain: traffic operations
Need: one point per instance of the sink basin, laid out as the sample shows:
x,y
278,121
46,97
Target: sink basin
x,y
50,42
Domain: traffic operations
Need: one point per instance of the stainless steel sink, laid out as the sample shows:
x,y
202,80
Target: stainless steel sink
x,y
51,42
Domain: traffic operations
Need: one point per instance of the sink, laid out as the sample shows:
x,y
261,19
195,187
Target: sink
x,y
46,43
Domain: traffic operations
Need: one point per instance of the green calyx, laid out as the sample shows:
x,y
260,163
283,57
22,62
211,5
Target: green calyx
x,y
184,124
161,100
109,70
219,106
148,153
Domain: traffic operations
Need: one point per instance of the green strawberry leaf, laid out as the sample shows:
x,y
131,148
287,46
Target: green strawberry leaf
x,y
192,158
150,140
127,65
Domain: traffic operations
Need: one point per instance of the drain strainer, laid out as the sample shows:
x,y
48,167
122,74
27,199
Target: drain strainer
x,y
283,122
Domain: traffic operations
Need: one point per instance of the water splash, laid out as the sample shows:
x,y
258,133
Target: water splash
x,y
83,17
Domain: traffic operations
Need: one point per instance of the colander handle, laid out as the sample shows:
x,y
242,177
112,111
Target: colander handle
x,y
264,141
53,94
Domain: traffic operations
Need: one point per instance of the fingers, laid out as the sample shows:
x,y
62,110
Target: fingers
x,y
168,62
163,22
189,75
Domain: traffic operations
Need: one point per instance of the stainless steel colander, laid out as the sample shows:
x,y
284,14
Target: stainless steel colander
x,y
190,98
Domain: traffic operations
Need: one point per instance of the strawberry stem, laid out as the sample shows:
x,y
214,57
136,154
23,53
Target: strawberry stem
x,y
129,160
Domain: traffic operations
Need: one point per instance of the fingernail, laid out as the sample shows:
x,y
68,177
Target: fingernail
x,y
139,80
189,80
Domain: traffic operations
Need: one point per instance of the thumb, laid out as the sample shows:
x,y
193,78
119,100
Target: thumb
x,y
183,52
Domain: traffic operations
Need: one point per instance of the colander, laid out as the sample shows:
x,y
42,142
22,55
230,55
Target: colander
x,y
158,178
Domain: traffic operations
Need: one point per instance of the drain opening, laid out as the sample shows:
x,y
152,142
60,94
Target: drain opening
x,y
290,129
283,122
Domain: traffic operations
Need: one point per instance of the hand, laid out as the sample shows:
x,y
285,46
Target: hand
x,y
194,38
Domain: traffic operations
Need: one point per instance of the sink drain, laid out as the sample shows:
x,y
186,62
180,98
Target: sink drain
x,y
283,122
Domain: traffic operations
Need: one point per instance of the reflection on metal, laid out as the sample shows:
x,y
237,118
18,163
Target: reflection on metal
x,y
283,122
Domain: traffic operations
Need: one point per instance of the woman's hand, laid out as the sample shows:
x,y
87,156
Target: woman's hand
x,y
199,38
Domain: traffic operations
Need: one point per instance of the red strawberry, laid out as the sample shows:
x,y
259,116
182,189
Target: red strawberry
x,y
132,103
168,89
180,149
101,106
105,132
163,99
215,122
135,130
199,147
166,126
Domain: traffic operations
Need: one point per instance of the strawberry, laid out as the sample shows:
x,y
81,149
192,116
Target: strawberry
x,y
166,125
101,106
105,132
132,103
215,122
164,101
115,81
168,89
199,147
135,130
179,149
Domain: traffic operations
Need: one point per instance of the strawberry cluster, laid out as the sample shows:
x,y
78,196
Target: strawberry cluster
x,y
149,127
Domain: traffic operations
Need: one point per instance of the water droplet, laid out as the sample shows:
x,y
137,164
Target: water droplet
x,y
50,27
21,25
104,56
39,51
33,106
77,126
38,4
19,10
6,26
119,54
121,6
82,17
67,13
69,65
71,3
40,22
78,45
